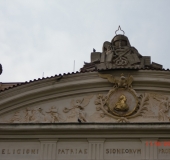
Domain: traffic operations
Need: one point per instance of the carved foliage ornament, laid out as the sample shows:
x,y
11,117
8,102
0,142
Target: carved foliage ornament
x,y
121,102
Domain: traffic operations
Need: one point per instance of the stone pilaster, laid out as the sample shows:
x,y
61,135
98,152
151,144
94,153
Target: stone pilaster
x,y
149,149
48,149
96,149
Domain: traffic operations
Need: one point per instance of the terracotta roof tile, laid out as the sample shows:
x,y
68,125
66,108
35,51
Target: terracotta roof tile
x,y
77,72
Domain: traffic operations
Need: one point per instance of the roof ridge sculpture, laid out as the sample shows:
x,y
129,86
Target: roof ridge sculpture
x,y
118,53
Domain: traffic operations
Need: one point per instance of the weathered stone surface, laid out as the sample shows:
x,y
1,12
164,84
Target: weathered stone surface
x,y
88,141
78,98
119,53
39,120
121,114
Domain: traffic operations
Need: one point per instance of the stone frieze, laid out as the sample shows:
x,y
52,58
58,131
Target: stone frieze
x,y
122,104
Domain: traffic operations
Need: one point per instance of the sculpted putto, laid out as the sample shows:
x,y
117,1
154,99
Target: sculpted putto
x,y
164,105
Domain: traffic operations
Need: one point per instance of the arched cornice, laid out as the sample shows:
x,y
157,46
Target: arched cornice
x,y
79,84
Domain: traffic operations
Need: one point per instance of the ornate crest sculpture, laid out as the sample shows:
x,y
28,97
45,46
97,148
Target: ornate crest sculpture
x,y
121,102
118,53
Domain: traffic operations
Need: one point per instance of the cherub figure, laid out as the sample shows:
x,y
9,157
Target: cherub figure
x,y
29,115
163,108
16,118
53,115
77,109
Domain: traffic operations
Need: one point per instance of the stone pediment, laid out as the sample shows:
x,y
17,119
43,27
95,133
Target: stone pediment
x,y
118,112
90,97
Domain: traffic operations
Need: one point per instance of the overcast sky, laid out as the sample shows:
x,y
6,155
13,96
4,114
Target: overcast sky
x,y
39,36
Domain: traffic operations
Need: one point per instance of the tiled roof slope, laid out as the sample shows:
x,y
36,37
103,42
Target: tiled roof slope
x,y
7,86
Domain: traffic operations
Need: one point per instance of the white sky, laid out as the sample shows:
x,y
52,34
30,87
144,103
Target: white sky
x,y
39,36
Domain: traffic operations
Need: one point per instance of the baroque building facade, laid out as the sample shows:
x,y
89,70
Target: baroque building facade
x,y
115,108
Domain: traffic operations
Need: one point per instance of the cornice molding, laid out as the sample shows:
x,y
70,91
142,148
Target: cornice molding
x,y
79,84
